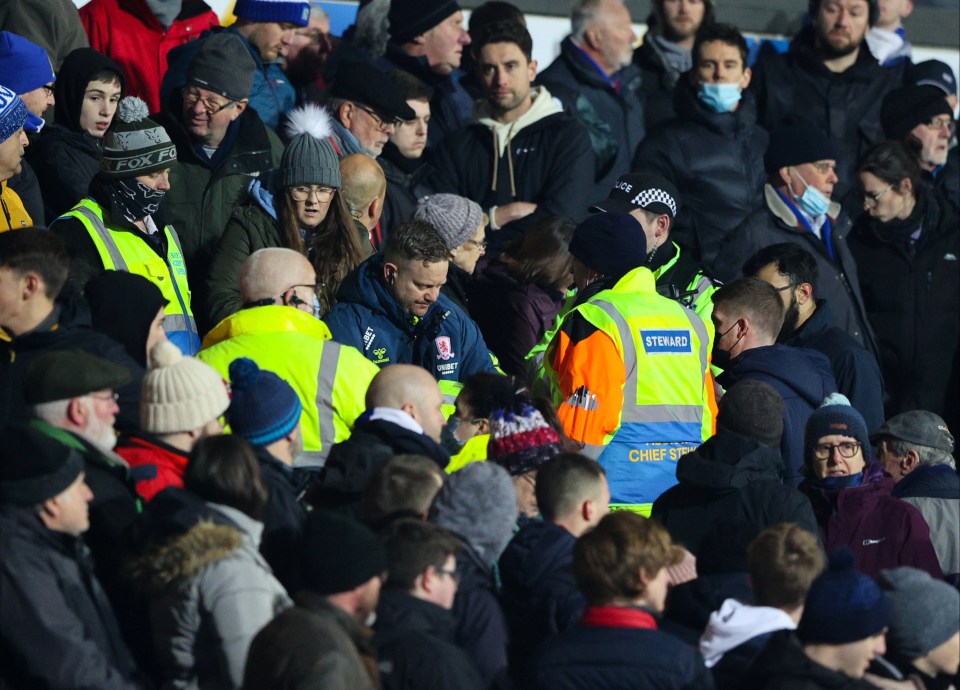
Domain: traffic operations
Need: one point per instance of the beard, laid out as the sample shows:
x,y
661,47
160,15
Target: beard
x,y
791,321
829,51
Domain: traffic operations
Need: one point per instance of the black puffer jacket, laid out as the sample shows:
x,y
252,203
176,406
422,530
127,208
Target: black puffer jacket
x,y
659,80
912,296
783,664
404,187
845,105
617,110
716,162
730,480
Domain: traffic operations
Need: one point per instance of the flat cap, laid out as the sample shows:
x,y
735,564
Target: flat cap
x,y
65,374
365,84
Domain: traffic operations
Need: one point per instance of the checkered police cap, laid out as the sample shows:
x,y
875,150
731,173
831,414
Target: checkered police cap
x,y
652,193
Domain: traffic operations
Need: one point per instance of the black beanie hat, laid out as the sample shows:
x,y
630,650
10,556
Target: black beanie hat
x,y
794,142
843,605
338,553
122,306
33,466
410,18
76,72
611,243
753,409
909,106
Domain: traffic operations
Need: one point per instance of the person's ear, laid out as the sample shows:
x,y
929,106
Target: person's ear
x,y
77,413
588,509
804,293
390,273
483,426
745,81
239,108
910,461
905,186
663,226
345,113
784,174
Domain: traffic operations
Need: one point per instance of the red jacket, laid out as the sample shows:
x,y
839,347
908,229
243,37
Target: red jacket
x,y
153,464
129,33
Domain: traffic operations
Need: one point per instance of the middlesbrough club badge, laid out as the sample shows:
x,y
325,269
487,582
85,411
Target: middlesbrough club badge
x,y
444,349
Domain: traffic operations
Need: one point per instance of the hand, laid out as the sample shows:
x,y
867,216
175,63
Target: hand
x,y
513,211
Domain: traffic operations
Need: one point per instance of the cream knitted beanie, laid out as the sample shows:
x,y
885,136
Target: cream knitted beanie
x,y
179,393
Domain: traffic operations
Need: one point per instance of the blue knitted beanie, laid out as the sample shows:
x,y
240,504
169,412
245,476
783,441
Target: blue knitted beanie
x,y
263,408
24,66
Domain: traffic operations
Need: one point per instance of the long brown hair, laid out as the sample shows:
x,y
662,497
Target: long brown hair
x,y
542,256
334,244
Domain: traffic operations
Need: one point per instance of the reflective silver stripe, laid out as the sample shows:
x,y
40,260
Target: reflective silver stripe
x,y
179,322
326,378
591,451
176,239
701,328
449,399
119,263
637,414
311,458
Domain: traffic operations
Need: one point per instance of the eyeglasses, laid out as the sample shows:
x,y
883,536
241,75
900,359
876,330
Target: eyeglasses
x,y
452,574
323,194
847,449
382,124
192,97
106,397
824,168
48,88
786,287
871,199
939,122
482,246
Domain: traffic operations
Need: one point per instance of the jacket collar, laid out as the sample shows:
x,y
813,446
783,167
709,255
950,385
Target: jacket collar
x,y
617,617
272,318
781,209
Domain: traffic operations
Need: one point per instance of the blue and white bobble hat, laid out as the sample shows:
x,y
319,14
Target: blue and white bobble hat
x,y
14,115
283,11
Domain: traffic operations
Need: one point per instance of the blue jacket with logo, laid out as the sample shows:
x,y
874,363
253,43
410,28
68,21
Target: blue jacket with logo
x,y
445,341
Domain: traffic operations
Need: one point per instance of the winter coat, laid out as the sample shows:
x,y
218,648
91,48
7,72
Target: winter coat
x,y
130,33
451,105
58,630
481,627
854,368
307,648
783,665
947,179
716,162
210,590
283,518
54,25
512,316
154,465
444,341
613,656
778,221
659,79
67,327
271,96
203,192
735,636
934,490
845,106
415,644
881,531
15,215
65,162
404,189
352,462
613,105
912,297
720,576
456,287
802,378
547,160
539,594
730,482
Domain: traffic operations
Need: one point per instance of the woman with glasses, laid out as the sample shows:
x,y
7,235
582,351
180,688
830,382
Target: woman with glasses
x,y
907,248
851,497
298,206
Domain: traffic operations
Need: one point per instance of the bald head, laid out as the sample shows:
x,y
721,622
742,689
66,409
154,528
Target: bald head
x,y
412,390
268,273
363,187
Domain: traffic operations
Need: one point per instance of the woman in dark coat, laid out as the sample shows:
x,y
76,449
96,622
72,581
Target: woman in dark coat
x,y
907,247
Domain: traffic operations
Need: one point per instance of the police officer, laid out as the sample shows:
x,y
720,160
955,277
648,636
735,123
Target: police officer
x,y
629,368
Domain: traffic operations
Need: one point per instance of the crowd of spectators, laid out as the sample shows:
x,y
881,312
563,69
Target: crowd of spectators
x,y
397,360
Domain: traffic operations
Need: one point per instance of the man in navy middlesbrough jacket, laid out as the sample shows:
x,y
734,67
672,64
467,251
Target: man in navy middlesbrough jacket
x,y
390,308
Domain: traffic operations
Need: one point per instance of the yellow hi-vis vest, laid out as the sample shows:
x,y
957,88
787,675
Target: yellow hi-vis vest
x,y
121,250
667,409
331,379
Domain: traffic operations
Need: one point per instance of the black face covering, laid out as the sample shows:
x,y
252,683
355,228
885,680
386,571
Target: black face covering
x,y
134,199
721,358
78,69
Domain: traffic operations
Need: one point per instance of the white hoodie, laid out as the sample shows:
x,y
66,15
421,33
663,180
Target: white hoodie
x,y
735,623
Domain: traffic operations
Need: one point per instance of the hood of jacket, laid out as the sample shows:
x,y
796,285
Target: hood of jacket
x,y
260,191
929,481
735,623
270,318
729,461
503,132
183,535
538,549
819,324
72,80
804,373
689,106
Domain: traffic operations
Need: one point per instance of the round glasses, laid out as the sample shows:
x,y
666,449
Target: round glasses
x,y
303,193
191,97
871,199
382,124
847,449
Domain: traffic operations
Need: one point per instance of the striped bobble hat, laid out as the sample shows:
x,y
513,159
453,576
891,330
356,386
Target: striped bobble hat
x,y
135,145
521,440
263,408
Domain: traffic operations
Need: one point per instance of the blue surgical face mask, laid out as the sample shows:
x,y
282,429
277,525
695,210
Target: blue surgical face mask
x,y
812,201
448,438
721,98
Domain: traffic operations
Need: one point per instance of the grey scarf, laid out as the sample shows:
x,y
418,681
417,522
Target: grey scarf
x,y
677,57
166,11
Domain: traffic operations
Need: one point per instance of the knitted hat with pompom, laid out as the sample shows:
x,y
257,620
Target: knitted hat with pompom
x,y
135,145
180,393
263,407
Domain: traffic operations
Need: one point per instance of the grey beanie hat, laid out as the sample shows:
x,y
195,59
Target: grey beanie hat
x,y
309,158
926,612
479,504
454,217
223,65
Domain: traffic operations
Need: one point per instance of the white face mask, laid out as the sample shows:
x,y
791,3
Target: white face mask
x,y
812,201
